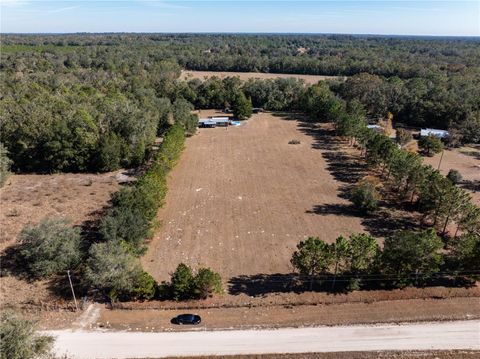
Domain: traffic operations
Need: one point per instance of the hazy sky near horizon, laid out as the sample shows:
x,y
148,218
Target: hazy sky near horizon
x,y
455,18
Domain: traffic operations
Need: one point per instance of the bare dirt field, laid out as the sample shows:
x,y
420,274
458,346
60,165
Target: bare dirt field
x,y
309,79
28,199
242,198
467,165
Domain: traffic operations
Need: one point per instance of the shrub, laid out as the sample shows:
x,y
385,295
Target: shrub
x,y
312,257
145,197
112,270
430,145
145,287
110,153
466,252
294,142
20,341
207,282
184,285
182,113
412,257
403,136
365,196
454,176
242,107
128,226
182,282
5,163
50,247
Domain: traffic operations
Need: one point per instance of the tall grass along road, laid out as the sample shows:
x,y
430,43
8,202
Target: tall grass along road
x,y
417,336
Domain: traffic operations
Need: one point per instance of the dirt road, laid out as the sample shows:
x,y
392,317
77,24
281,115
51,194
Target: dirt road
x,y
426,336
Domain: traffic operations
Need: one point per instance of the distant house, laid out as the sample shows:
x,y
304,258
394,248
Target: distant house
x,y
214,122
425,132
206,122
220,120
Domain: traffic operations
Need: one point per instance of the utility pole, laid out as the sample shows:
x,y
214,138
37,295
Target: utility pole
x,y
440,162
73,292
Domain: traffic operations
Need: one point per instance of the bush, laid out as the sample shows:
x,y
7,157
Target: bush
x,y
430,145
50,247
5,163
207,282
20,341
241,107
184,285
128,226
110,153
182,113
412,257
112,270
365,196
145,287
454,176
294,142
403,136
466,252
182,282
135,208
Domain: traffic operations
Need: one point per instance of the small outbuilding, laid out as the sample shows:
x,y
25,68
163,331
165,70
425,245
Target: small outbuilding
x,y
425,132
206,123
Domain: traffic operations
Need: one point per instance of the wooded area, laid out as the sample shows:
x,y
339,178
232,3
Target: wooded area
x,y
97,102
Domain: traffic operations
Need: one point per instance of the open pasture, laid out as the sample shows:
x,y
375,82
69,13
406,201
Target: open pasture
x,y
244,76
241,198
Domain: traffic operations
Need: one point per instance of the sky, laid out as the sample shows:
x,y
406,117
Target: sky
x,y
439,18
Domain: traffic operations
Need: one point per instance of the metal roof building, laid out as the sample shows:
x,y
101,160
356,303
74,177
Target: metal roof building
x,y
424,132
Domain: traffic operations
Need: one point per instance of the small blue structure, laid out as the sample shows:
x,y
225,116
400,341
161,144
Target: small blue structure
x,y
425,132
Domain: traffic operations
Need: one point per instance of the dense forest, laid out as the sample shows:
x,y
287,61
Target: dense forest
x,y
86,102
346,55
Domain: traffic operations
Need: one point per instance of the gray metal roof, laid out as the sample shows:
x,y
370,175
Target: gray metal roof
x,y
424,132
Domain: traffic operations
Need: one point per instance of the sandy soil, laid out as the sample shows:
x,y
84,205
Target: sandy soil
x,y
467,165
29,198
242,198
309,79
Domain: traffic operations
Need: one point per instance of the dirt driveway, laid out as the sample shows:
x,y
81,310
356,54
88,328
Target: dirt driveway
x,y
241,199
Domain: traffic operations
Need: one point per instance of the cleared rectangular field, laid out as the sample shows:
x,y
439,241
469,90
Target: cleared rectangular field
x,y
244,76
241,199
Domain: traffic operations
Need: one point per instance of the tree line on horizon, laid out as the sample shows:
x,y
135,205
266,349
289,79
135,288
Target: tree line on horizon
x,y
97,102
